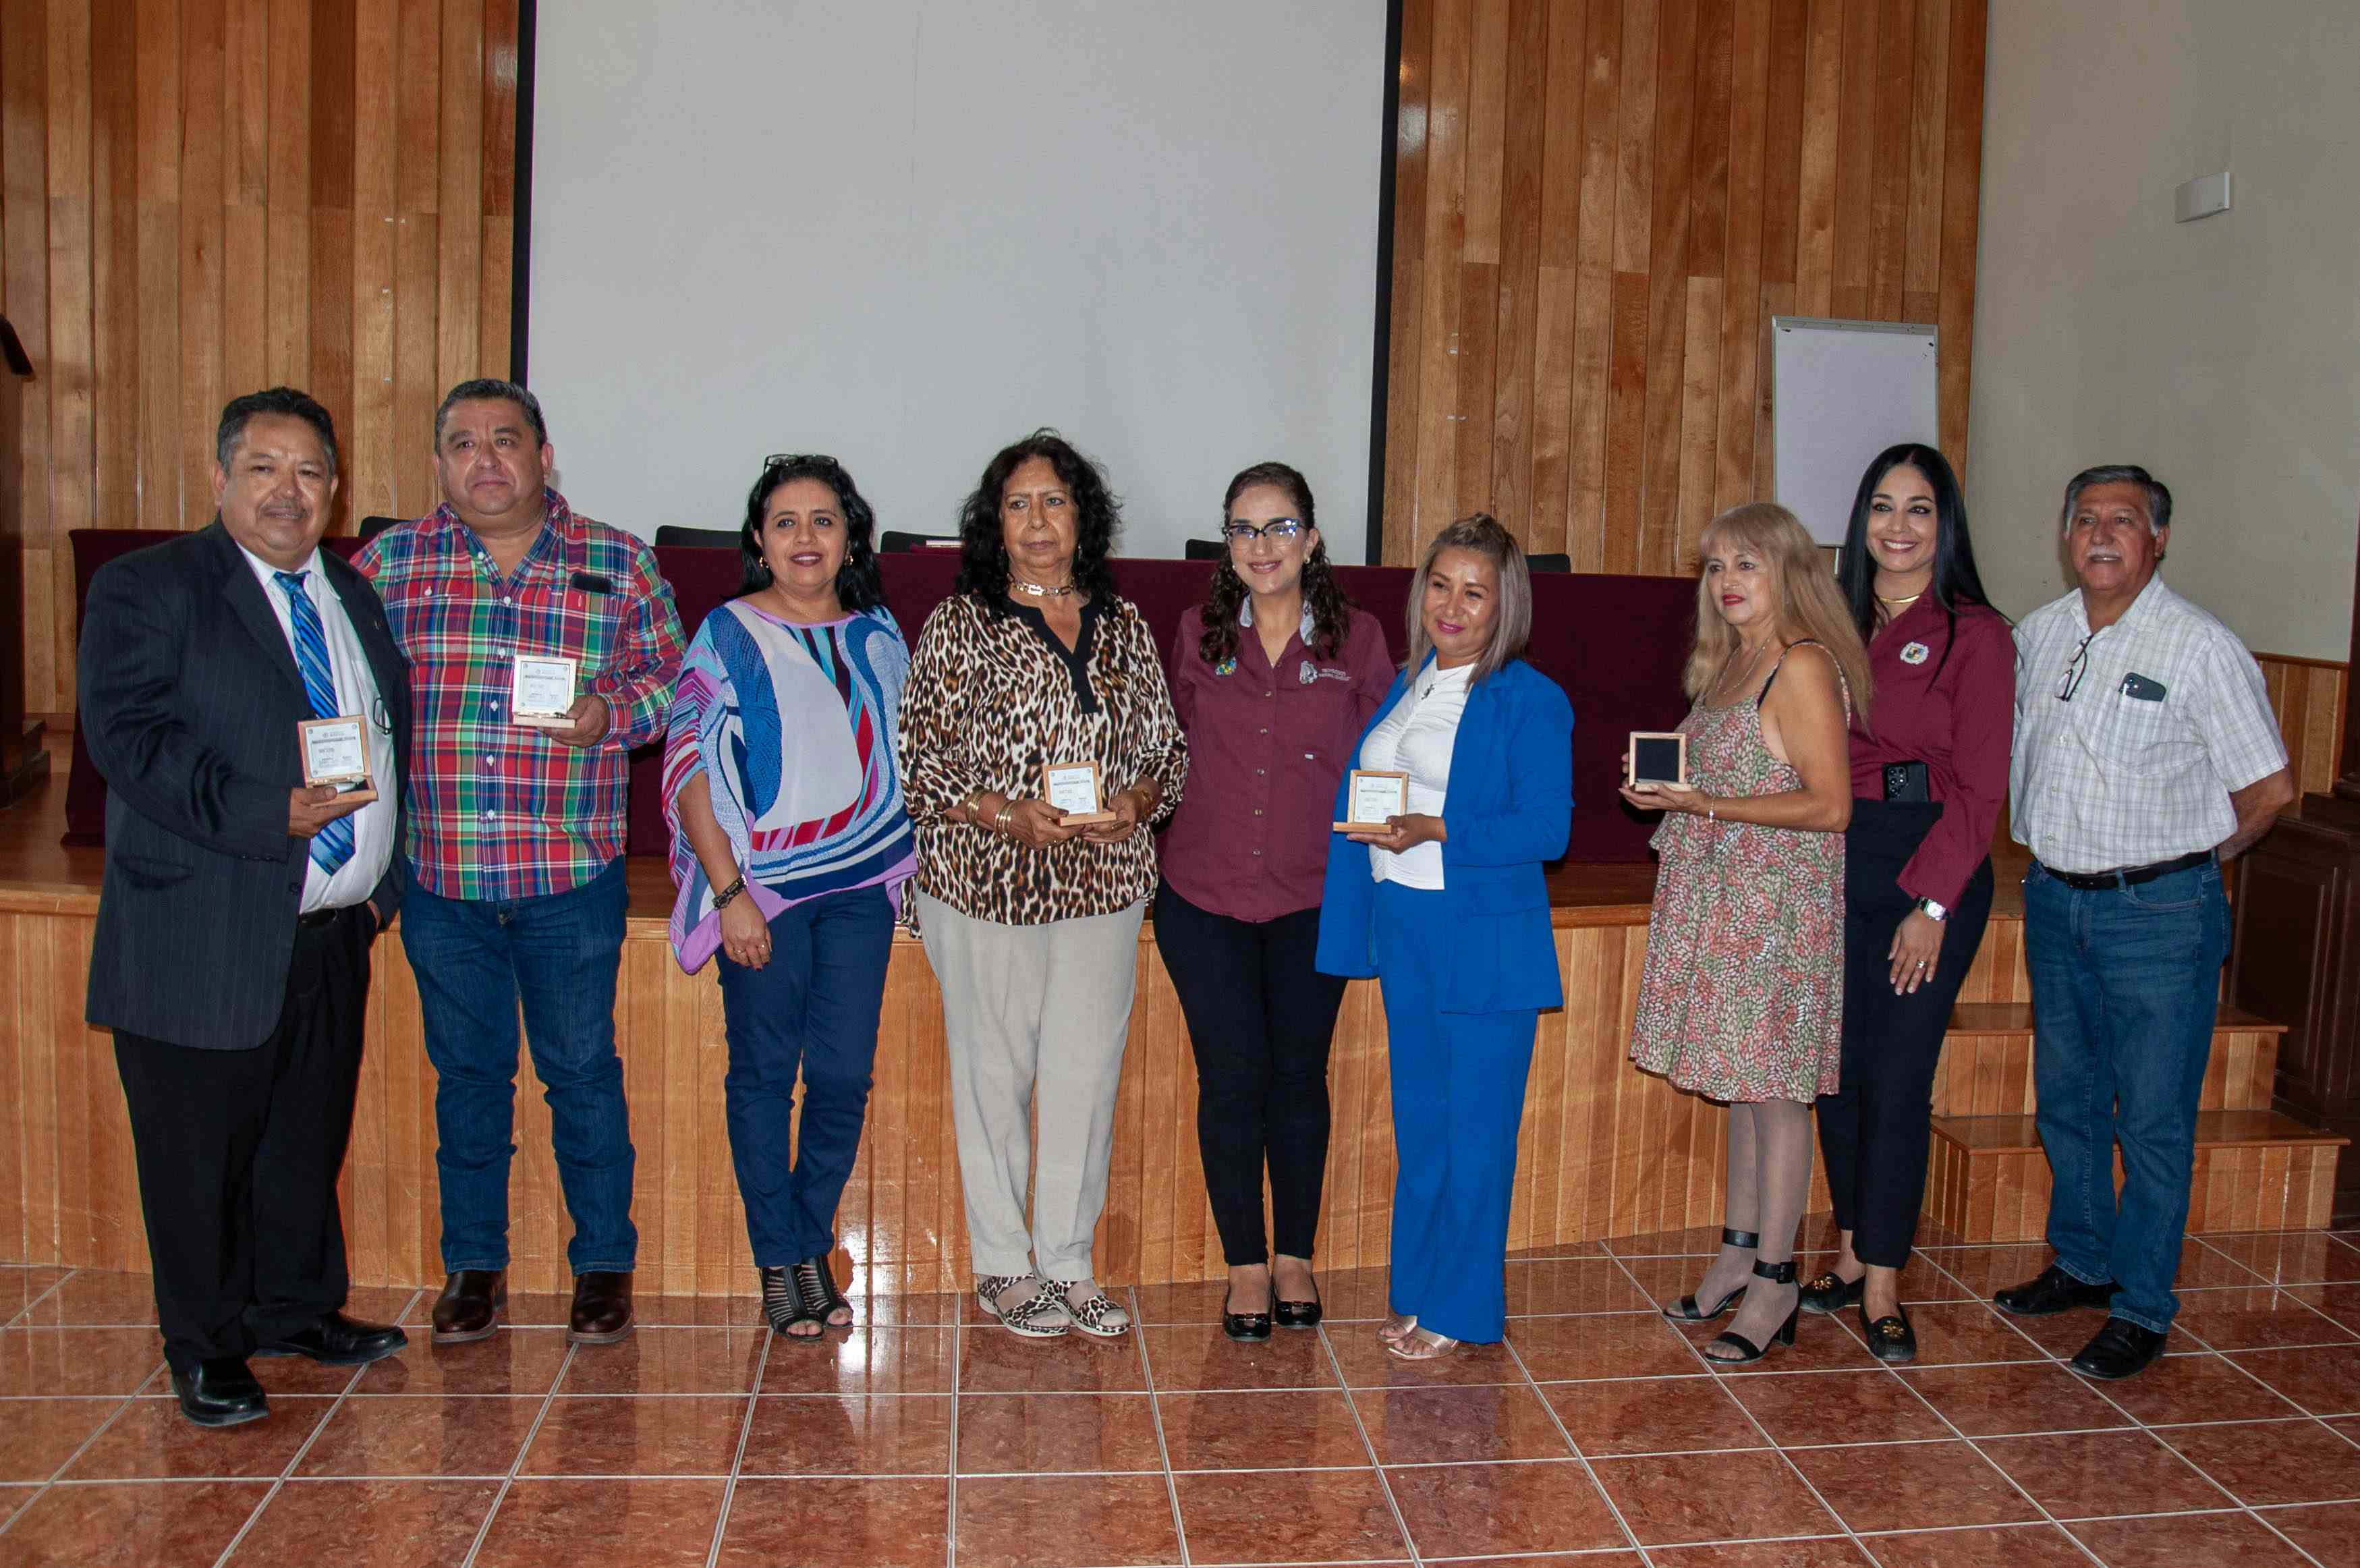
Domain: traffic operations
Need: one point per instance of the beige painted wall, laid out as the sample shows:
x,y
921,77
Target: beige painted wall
x,y
2224,355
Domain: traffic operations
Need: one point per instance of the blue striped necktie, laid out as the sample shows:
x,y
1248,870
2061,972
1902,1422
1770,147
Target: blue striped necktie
x,y
331,846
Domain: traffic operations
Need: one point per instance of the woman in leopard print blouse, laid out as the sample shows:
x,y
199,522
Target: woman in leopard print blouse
x,y
1032,923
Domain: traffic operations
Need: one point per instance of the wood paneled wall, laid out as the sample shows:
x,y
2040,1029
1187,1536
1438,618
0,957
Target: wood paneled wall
x,y
1598,203
2307,697
205,197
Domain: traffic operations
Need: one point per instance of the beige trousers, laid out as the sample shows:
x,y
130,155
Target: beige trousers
x,y
1034,1014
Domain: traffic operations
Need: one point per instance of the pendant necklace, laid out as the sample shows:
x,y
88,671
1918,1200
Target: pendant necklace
x,y
1038,592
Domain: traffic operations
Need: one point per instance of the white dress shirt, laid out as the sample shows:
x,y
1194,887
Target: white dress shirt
x,y
1417,739
2168,714
356,694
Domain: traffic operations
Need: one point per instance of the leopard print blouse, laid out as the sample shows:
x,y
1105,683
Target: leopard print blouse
x,y
991,700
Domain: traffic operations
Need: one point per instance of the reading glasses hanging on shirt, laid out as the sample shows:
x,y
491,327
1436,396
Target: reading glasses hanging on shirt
x,y
2075,670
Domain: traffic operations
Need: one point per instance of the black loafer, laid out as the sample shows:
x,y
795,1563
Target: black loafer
x,y
219,1393
1890,1338
1296,1314
1830,1292
1244,1325
2122,1349
2053,1291
339,1341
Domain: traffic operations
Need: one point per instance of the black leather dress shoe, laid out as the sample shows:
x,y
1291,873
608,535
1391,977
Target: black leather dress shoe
x,y
219,1393
1245,1325
469,1307
339,1341
2122,1349
1297,1314
602,1309
2053,1291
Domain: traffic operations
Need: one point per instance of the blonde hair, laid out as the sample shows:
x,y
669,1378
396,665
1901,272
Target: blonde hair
x,y
1511,622
1809,604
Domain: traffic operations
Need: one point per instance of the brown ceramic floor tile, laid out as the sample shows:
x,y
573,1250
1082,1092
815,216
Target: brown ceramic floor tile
x,y
404,1436
1912,1485
130,1525
2087,1475
2329,1531
2196,1388
1064,1521
665,1523
2259,1318
1956,1333
38,1435
1431,1426
1619,1345
1197,1356
2291,1257
993,1361
1467,1510
1822,1344
280,1375
862,1361
1572,1285
77,1361
1694,1241
2009,1546
1920,1279
920,1308
825,1522
1837,1407
367,1524
743,1311
91,1297
2186,1539
1266,1430
1663,1280
1819,1551
1199,1300
14,1496
1035,1433
1280,1515
1671,1498
2273,1461
1987,1270
855,1434
670,1361
664,1434
1367,1364
1652,1414
1358,1295
525,1308
2030,1397
513,1361
23,1284
2061,1335
2324,1382
151,1438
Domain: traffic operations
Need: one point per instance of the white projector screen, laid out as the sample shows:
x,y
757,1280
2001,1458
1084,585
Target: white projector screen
x,y
907,233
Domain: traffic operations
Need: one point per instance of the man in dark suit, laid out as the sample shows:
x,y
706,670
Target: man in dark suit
x,y
232,953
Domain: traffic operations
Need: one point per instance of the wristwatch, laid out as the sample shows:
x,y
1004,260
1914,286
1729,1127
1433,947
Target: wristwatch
x,y
1932,910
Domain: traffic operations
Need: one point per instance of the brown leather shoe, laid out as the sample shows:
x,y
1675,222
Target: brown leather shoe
x,y
602,1309
470,1305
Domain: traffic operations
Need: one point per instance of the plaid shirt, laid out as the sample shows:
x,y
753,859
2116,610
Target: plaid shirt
x,y
498,810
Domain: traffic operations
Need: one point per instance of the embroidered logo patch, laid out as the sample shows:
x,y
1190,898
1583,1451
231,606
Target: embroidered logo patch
x,y
1228,667
1914,654
1310,673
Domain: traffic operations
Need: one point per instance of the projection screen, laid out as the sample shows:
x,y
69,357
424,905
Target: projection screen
x,y
908,233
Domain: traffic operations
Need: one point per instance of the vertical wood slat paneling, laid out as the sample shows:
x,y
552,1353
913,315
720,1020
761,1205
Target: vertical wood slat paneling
x,y
199,198
1584,359
2308,695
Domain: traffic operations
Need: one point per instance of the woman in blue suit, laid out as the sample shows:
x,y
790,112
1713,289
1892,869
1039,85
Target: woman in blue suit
x,y
1448,908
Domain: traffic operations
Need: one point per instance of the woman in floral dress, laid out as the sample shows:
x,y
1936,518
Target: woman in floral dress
x,y
1743,996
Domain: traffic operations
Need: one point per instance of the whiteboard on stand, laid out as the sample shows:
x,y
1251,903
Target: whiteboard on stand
x,y
1841,392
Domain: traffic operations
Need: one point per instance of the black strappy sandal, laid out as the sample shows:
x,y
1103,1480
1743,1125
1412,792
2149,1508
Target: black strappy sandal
x,y
784,1303
1778,1274
1686,1311
816,1284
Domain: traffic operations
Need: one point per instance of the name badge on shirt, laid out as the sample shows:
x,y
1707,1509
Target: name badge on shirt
x,y
1914,654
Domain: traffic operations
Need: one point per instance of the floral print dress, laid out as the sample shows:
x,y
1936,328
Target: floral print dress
x,y
1742,998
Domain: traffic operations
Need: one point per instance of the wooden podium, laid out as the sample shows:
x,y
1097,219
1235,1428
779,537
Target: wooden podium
x,y
2296,954
23,762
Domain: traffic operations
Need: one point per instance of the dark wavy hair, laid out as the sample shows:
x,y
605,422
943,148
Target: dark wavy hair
x,y
1331,610
858,584
1955,583
983,551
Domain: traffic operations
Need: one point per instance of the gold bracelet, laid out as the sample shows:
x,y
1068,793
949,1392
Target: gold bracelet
x,y
1007,810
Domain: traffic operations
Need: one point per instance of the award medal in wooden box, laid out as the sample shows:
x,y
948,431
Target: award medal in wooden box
x,y
541,690
1372,796
1072,791
335,753
1657,757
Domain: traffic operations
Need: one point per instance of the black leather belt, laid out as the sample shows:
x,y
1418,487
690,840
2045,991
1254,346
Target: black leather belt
x,y
2129,876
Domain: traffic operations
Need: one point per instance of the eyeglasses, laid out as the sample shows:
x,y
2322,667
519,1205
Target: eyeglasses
x,y
2075,670
1278,531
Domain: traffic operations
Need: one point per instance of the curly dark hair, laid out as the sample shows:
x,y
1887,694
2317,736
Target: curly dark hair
x,y
857,584
1331,610
983,551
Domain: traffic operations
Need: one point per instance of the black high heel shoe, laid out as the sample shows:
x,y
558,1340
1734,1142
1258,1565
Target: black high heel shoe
x,y
1830,1292
1686,1311
1778,1274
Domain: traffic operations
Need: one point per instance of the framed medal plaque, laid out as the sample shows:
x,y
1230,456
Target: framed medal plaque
x,y
541,690
1659,757
1371,795
1072,791
335,753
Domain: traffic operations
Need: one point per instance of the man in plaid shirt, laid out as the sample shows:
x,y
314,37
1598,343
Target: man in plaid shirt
x,y
516,838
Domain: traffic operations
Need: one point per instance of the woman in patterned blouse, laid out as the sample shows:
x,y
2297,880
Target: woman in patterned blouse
x,y
1032,922
789,844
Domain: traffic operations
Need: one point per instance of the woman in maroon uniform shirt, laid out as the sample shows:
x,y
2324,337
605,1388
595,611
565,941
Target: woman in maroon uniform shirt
x,y
1274,678
1927,784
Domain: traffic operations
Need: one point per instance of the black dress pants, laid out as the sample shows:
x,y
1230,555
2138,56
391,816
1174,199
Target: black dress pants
x,y
1875,1129
238,1154
1260,1018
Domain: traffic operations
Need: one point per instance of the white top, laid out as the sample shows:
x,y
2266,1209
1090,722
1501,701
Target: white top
x,y
2169,715
356,694
1417,739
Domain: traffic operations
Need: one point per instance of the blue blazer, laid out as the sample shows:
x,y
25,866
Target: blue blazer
x,y
1509,810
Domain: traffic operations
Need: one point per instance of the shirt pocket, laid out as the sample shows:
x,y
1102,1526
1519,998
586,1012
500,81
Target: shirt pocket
x,y
2143,738
576,623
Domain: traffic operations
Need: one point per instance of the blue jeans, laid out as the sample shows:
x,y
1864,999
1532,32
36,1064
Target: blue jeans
x,y
814,1007
475,958
2125,983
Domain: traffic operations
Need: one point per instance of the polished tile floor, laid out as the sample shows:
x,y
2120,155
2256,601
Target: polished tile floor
x,y
1595,1435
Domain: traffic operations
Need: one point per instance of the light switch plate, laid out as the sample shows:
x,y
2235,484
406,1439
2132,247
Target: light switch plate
x,y
2202,196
